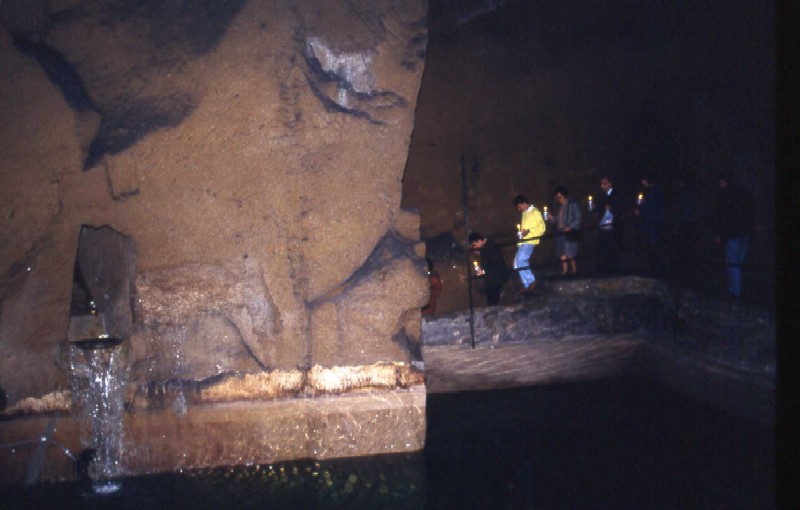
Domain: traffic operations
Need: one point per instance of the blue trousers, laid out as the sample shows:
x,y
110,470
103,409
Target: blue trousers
x,y
522,259
735,253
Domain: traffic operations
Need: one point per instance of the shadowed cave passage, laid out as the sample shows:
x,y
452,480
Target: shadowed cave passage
x,y
535,95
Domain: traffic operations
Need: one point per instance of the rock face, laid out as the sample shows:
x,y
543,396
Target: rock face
x,y
251,153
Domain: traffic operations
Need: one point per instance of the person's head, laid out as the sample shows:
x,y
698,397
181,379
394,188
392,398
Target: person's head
x,y
606,183
476,240
561,195
521,202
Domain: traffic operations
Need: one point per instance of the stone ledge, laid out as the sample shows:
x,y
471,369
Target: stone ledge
x,y
728,333
212,435
261,386
718,352
508,364
320,413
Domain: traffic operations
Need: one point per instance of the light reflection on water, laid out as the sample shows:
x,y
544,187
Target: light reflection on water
x,y
619,443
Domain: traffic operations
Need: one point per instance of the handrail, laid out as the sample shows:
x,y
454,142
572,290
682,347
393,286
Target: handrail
x,y
637,248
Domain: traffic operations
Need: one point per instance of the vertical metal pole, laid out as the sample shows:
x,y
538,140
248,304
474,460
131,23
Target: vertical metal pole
x,y
465,198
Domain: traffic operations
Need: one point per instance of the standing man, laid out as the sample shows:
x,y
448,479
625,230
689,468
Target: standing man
x,y
609,232
489,267
734,225
650,209
530,227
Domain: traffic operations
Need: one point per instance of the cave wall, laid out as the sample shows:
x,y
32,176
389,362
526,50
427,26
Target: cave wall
x,y
540,94
537,94
252,151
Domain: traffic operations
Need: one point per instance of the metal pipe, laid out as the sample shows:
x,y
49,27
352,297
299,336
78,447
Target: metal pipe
x,y
465,198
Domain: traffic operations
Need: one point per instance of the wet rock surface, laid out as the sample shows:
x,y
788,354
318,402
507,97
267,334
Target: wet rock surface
x,y
251,152
738,335
717,351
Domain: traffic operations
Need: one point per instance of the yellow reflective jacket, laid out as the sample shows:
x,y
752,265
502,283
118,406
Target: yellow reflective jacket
x,y
532,221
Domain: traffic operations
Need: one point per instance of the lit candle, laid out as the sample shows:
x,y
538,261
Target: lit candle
x,y
640,199
519,231
545,213
591,204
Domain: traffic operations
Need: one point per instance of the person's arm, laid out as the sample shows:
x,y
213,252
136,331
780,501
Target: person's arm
x,y
573,216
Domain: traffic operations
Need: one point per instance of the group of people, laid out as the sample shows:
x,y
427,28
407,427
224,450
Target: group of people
x,y
732,223
487,258
732,218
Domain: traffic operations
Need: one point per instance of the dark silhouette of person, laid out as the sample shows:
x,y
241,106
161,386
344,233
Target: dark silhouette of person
x,y
488,267
734,224
435,286
609,230
683,240
650,209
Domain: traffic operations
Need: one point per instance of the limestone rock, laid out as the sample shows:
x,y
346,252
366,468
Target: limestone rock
x,y
251,151
350,325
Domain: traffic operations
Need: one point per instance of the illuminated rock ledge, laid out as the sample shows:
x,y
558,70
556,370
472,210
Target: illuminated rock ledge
x,y
321,413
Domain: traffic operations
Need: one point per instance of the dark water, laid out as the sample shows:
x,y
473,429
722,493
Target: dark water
x,y
616,444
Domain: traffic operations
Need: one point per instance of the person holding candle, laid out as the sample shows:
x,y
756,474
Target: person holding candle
x,y
531,227
487,258
568,223
609,232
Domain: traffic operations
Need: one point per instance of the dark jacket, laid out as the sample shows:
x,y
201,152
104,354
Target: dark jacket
x,y
615,206
490,258
652,213
734,212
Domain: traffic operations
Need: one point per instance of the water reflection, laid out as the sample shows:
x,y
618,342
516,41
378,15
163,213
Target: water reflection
x,y
620,443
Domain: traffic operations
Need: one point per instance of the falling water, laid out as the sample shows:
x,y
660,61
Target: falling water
x,y
98,369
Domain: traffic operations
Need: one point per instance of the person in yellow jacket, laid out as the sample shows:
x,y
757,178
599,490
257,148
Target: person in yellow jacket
x,y
530,227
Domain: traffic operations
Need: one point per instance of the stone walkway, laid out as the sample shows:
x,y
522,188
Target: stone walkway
x,y
505,364
458,367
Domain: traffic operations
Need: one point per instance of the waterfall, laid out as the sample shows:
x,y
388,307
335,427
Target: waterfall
x,y
98,375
